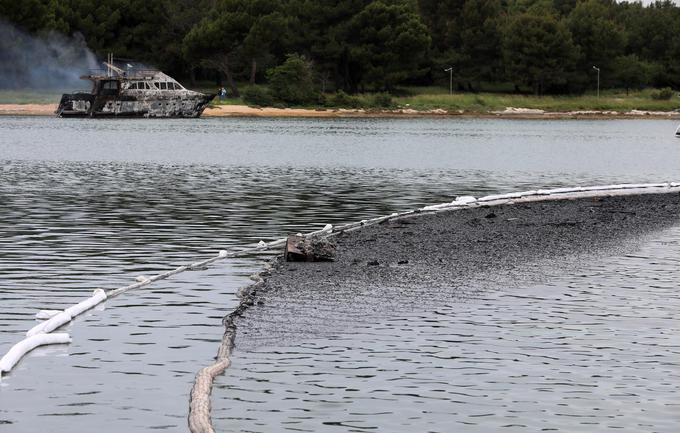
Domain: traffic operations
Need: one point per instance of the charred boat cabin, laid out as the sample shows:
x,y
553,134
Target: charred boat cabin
x,y
132,92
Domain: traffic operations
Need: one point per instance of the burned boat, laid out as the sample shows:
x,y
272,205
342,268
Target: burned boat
x,y
132,92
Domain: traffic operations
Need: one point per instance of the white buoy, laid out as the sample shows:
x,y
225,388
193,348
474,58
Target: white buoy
x,y
26,345
97,297
46,314
436,206
50,325
464,199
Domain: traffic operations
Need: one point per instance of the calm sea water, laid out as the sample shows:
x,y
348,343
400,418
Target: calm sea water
x,y
87,204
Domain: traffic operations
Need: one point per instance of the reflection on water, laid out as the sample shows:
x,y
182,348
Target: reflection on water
x,y
88,204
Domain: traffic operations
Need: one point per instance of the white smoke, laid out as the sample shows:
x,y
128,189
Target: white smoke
x,y
52,61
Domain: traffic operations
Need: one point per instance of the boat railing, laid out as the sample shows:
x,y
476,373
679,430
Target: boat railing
x,y
135,74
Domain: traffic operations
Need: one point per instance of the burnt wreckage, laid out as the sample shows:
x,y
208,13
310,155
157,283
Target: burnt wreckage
x,y
132,92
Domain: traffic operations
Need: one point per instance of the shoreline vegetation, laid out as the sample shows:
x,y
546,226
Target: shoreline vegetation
x,y
552,55
376,58
415,102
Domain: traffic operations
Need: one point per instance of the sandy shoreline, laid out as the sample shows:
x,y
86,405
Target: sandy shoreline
x,y
28,109
246,111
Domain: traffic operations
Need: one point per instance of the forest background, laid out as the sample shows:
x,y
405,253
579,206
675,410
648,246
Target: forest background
x,y
298,52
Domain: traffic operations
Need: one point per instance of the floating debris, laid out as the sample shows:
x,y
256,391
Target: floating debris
x,y
309,249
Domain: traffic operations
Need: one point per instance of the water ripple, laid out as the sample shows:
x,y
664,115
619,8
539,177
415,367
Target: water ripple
x,y
88,204
584,351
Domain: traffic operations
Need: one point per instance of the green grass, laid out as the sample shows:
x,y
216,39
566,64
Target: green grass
x,y
430,98
481,102
30,96
228,101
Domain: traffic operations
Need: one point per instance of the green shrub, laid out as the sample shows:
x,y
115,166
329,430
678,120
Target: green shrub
x,y
292,82
343,100
321,100
662,94
259,96
383,100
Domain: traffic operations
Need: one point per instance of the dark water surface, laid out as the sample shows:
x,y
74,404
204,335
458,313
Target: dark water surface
x,y
590,352
87,204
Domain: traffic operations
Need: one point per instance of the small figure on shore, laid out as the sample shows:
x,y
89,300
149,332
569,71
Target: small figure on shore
x,y
222,93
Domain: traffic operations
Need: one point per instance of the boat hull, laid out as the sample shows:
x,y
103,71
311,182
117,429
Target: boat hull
x,y
88,105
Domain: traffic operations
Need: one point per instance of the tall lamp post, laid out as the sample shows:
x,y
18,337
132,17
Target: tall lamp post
x,y
450,71
598,81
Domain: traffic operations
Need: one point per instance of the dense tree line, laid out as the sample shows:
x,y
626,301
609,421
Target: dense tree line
x,y
375,45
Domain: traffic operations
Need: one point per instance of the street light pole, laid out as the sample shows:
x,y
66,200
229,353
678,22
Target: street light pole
x,y
598,81
450,71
